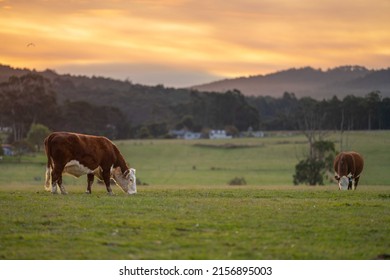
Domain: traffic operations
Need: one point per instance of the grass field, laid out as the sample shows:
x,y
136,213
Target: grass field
x,y
187,210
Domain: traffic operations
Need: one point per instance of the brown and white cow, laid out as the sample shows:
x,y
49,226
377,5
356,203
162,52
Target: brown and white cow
x,y
79,154
348,166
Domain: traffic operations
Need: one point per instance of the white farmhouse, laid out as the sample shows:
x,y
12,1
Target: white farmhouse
x,y
219,134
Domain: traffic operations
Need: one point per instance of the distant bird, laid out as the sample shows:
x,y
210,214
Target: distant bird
x,y
30,45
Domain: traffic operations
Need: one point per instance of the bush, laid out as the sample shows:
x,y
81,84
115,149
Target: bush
x,y
309,171
312,169
237,181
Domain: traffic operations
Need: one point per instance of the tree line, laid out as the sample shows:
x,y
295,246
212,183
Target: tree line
x,y
288,112
350,113
32,99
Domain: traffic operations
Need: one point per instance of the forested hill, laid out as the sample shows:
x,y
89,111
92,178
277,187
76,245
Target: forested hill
x,y
316,83
121,109
118,109
140,104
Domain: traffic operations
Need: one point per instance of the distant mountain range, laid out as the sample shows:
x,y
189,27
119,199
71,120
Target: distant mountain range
x,y
340,81
152,106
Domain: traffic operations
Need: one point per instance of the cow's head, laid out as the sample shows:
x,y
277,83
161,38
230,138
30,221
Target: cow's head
x,y
126,181
344,181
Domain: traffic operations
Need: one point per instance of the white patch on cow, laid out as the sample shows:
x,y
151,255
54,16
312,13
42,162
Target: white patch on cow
x,y
48,179
76,169
343,183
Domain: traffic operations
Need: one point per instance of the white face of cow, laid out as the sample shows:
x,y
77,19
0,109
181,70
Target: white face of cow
x,y
126,181
343,183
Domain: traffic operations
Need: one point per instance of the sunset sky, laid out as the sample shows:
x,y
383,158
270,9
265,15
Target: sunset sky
x,y
188,42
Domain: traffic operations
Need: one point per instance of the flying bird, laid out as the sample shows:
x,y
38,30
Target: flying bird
x,y
30,45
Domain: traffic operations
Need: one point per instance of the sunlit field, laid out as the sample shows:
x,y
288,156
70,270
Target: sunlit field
x,y
185,208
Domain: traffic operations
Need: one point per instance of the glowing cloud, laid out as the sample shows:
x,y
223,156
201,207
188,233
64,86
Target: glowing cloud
x,y
215,38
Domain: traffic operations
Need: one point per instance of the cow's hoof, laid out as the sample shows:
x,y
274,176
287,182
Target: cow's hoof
x,y
87,192
111,194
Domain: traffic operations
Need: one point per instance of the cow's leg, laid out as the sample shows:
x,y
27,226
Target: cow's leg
x,y
54,187
356,182
350,183
106,178
48,179
62,188
56,179
90,182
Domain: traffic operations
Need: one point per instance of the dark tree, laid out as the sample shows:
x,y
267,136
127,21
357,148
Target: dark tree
x,y
372,103
37,134
25,100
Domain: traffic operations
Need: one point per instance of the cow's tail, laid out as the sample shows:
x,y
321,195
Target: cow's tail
x,y
49,165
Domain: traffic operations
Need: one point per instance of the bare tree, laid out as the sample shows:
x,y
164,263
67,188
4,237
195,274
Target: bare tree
x,y
310,120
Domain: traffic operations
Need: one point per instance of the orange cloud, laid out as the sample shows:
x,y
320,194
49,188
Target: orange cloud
x,y
223,38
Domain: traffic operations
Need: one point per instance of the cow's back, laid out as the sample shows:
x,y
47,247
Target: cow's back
x,y
359,163
90,151
348,162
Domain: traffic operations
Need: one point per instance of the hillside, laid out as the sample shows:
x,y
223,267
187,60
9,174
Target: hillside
x,y
340,81
317,83
139,103
99,105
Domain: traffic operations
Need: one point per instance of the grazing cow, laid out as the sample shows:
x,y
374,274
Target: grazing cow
x,y
348,166
79,154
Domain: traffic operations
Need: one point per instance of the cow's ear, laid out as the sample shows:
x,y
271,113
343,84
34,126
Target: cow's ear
x,y
132,171
126,173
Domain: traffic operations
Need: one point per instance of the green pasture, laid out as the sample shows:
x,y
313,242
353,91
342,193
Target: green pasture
x,y
268,161
188,211
172,222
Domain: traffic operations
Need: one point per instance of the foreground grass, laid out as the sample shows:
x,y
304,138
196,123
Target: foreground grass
x,y
176,222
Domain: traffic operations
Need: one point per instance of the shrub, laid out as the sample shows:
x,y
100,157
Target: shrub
x,y
236,181
312,170
309,171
